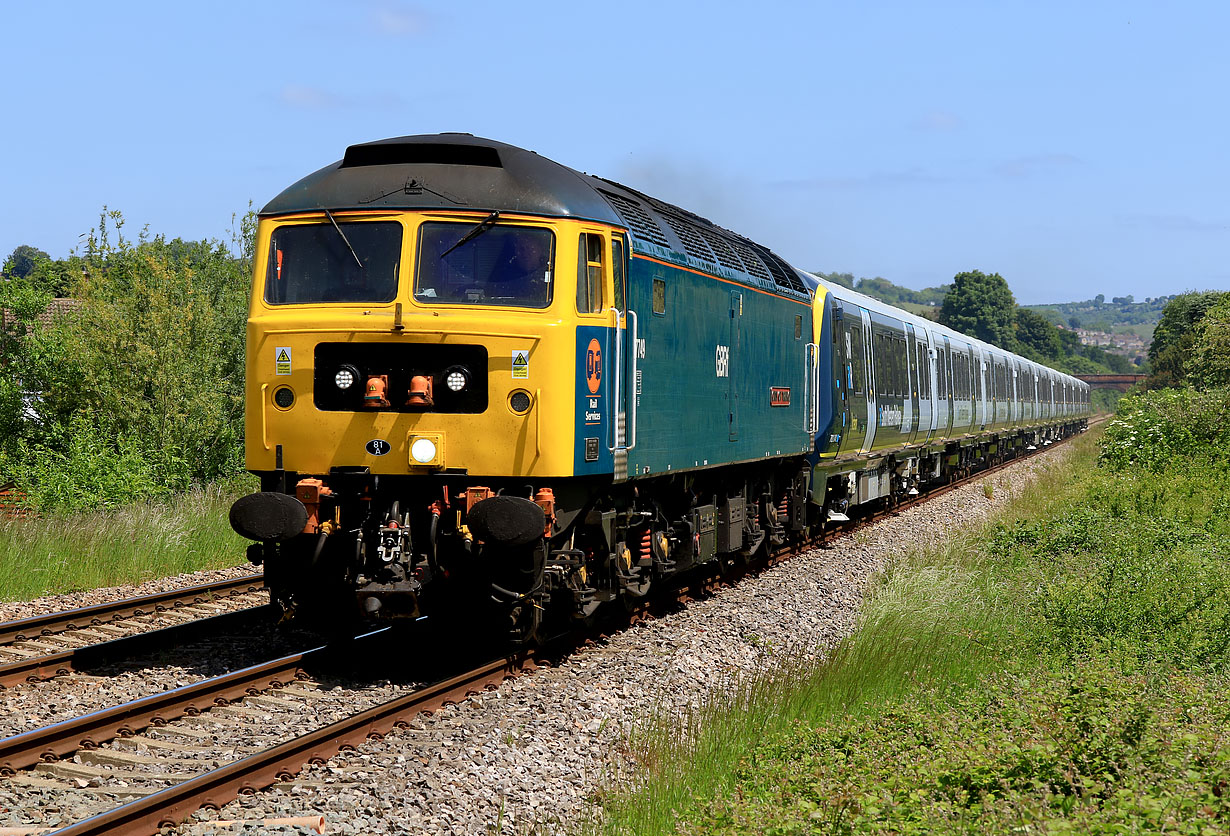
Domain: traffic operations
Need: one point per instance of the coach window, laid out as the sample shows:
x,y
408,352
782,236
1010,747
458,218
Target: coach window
x,y
589,273
659,296
903,368
856,357
879,364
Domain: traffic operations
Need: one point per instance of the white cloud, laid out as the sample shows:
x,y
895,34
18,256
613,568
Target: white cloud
x,y
310,98
1171,223
938,121
398,19
1036,164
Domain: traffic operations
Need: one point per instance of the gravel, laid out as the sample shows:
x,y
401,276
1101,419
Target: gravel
x,y
532,755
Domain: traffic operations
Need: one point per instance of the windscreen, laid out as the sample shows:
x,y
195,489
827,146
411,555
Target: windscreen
x,y
318,263
497,265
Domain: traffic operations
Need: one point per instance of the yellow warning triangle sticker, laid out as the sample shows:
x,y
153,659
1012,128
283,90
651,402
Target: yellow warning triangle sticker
x,y
283,357
520,361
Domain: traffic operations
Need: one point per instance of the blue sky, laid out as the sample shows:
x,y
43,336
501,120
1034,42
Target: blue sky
x,y
1075,148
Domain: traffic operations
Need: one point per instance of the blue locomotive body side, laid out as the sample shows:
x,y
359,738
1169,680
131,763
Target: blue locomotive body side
x,y
720,371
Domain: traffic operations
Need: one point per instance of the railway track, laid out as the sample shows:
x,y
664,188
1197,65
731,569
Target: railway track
x,y
161,751
137,751
192,600
44,646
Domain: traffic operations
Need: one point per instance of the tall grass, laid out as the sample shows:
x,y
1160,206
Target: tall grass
x,y
67,552
937,620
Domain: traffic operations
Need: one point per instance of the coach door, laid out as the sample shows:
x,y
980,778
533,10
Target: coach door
x,y
943,386
913,386
869,377
848,336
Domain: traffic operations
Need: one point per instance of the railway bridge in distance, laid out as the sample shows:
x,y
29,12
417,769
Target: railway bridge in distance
x,y
1122,382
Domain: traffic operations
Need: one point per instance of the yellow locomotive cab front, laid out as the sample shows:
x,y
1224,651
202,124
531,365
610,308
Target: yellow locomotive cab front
x,y
479,370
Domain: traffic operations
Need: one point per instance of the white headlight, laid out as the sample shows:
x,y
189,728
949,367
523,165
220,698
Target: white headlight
x,y
344,379
455,381
423,450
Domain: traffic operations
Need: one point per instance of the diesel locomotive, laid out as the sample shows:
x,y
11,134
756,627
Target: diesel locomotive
x,y
481,382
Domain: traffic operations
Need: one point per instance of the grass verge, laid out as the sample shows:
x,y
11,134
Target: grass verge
x,y
1060,670
68,552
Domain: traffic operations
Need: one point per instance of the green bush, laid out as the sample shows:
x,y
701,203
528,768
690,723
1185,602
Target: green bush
x,y
1084,750
81,465
138,390
1168,427
1140,568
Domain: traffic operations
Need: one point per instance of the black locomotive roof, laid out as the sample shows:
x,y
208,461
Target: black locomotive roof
x,y
445,171
461,171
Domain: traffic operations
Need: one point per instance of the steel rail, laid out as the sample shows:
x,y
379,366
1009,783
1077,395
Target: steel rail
x,y
24,750
43,625
38,668
170,806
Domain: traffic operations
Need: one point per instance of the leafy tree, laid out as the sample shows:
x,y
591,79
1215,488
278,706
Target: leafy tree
x,y
1175,336
1209,365
980,304
1074,323
22,261
1034,333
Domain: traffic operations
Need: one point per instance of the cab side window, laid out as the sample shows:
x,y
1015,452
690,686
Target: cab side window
x,y
617,271
589,273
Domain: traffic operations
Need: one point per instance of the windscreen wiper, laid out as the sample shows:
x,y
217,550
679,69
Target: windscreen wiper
x,y
483,225
345,240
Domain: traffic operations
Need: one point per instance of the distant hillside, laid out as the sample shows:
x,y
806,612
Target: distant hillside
x,y
1122,314
886,291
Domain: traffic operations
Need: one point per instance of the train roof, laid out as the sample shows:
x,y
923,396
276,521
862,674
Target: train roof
x,y
452,171
878,306
445,171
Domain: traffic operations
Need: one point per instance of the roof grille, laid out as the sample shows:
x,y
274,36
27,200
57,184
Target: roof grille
x,y
693,243
751,261
783,275
637,219
420,153
725,255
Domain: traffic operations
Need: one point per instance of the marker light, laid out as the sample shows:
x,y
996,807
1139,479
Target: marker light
x,y
345,377
423,450
456,380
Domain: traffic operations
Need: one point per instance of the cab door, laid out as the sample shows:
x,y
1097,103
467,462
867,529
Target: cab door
x,y
624,349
